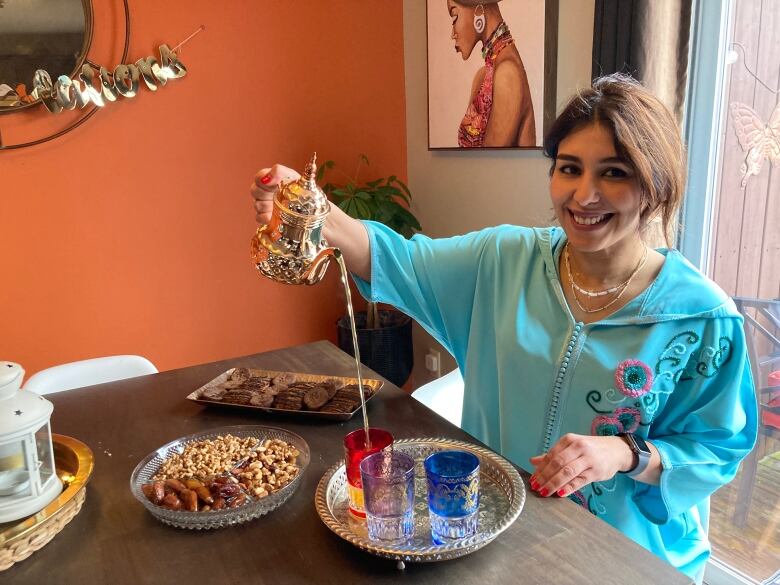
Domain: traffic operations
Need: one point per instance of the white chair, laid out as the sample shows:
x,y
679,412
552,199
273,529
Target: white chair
x,y
89,372
444,396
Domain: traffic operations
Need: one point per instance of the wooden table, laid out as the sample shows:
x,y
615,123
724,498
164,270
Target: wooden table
x,y
114,540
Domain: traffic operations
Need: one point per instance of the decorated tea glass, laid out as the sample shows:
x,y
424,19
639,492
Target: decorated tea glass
x,y
453,495
355,450
388,490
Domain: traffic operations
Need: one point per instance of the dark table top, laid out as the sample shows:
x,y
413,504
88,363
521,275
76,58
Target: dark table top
x,y
115,540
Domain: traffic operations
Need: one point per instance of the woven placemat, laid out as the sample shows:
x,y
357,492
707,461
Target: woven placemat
x,y
20,549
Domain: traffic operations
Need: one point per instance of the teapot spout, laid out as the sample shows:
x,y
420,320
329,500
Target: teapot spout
x,y
319,265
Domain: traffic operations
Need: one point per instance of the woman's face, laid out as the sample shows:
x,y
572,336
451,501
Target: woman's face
x,y
463,32
595,192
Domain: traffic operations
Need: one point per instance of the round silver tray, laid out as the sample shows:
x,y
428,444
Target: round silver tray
x,y
502,496
255,508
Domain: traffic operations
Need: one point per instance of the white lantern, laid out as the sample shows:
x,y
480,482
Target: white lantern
x,y
28,478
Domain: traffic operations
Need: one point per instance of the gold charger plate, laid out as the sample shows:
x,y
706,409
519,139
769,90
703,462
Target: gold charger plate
x,y
74,463
375,386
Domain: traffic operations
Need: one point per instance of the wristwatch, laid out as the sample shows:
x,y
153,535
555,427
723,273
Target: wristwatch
x,y
641,453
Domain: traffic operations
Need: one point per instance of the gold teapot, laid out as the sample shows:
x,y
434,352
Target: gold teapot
x,y
290,248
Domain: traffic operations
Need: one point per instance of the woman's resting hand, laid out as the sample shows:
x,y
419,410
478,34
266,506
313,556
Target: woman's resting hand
x,y
577,460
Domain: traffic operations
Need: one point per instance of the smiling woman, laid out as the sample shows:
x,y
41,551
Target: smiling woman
x,y
619,372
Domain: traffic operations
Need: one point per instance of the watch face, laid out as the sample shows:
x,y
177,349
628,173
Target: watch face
x,y
640,443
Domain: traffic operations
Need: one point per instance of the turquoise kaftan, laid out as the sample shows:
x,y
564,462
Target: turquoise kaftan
x,y
671,366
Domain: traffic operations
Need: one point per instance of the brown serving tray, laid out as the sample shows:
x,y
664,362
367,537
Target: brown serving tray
x,y
375,386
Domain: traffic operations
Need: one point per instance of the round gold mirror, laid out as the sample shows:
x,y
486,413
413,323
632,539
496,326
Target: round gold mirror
x,y
53,35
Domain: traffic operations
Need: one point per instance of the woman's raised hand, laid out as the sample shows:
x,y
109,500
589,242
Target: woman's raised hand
x,y
263,187
339,229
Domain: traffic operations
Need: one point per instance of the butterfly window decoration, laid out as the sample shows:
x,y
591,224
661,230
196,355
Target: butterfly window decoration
x,y
760,140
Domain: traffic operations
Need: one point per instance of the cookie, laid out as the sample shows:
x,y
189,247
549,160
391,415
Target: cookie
x,y
257,383
353,389
240,374
213,393
284,379
331,386
263,399
338,407
315,398
347,396
289,399
232,384
303,385
237,397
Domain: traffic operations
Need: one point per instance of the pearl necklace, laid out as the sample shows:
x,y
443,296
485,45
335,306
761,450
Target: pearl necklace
x,y
622,287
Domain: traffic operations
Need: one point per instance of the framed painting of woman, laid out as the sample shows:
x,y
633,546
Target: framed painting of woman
x,y
491,72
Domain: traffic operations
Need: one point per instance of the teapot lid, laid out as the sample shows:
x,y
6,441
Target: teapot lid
x,y
304,195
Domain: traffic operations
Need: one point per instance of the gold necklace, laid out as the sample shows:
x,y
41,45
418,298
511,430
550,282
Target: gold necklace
x,y
623,287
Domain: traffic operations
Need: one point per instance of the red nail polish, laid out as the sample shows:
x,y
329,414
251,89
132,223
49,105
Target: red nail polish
x,y
534,484
544,492
561,493
265,179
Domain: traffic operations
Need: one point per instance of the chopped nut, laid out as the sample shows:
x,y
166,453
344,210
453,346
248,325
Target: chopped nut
x,y
201,459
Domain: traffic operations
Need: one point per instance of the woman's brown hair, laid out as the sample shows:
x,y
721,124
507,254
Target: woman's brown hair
x,y
646,135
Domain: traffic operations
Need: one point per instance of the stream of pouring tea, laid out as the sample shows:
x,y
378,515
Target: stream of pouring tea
x,y
351,313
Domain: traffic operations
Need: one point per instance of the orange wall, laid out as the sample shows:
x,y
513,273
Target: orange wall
x,y
131,234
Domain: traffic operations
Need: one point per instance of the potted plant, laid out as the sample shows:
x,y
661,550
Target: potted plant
x,y
384,336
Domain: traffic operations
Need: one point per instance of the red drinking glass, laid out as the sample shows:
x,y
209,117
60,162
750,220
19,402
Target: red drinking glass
x,y
355,450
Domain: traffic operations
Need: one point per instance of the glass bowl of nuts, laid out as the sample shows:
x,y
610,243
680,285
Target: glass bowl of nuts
x,y
220,477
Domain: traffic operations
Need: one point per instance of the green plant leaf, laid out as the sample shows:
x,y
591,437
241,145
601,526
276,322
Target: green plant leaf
x,y
362,209
354,211
404,198
328,164
389,192
385,200
374,209
404,187
386,210
408,218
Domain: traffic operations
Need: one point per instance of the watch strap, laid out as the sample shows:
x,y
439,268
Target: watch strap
x,y
641,452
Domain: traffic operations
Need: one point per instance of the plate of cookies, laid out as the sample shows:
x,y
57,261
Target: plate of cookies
x,y
273,392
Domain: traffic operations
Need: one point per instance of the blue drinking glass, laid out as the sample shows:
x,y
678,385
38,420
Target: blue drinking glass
x,y
453,495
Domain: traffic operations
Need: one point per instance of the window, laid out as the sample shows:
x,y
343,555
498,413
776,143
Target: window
x,y
732,232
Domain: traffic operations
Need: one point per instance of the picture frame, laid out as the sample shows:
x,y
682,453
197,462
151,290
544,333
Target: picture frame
x,y
461,93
